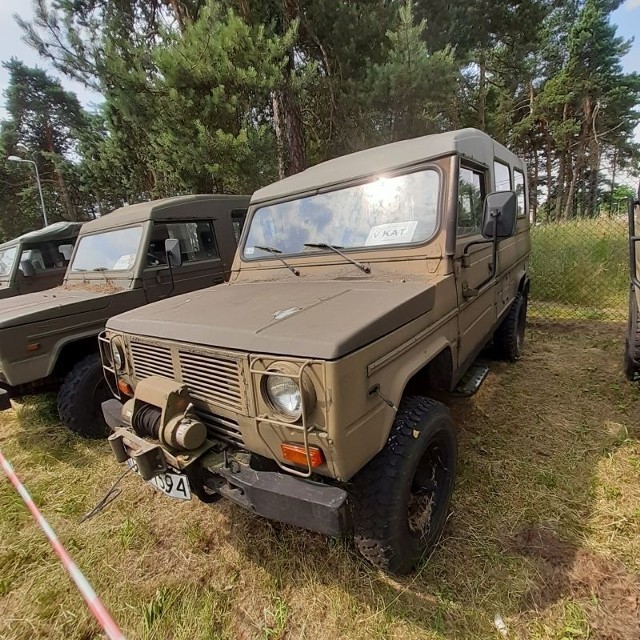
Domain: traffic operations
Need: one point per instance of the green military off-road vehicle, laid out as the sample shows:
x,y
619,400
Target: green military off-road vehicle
x,y
361,286
37,260
129,258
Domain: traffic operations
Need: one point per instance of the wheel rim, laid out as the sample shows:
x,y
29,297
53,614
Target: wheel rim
x,y
430,490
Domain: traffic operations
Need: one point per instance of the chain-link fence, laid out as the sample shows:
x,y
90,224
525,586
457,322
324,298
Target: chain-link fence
x,y
579,269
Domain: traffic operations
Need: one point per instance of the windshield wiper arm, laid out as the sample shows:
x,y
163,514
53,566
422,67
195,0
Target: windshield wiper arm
x,y
276,253
324,245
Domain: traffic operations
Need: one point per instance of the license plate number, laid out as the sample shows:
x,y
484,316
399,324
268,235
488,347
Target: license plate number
x,y
174,485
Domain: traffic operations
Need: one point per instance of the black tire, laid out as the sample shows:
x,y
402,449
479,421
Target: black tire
x,y
632,345
80,398
508,339
400,499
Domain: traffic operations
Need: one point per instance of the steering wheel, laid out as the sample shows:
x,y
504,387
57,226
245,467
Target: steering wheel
x,y
152,260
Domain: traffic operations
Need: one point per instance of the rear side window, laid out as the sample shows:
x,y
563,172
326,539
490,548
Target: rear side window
x,y
471,193
518,181
45,256
197,242
238,216
502,176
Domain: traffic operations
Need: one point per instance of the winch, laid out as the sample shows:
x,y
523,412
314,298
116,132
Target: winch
x,y
162,409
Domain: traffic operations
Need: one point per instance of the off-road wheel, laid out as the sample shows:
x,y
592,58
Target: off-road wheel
x,y
81,396
508,339
400,499
632,345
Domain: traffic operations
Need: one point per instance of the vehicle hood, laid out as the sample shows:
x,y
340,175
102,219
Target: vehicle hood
x,y
317,319
43,305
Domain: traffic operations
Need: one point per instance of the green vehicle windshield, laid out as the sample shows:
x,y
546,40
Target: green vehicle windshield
x,y
7,260
109,251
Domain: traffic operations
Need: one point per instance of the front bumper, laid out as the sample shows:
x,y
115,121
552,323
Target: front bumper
x,y
271,494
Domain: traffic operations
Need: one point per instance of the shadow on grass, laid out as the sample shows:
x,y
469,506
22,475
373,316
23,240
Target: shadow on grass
x,y
530,444
42,433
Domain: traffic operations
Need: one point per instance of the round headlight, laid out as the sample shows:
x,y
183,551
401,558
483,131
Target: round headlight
x,y
284,395
118,356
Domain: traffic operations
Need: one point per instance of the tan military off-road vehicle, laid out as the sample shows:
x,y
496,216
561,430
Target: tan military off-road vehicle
x,y
135,255
37,260
301,389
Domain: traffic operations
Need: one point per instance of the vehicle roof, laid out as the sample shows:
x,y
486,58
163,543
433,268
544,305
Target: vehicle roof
x,y
55,231
470,143
180,207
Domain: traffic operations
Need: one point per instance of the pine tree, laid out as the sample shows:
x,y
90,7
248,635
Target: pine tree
x,y
412,91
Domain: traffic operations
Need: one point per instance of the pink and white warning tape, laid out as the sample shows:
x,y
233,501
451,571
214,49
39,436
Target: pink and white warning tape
x,y
97,608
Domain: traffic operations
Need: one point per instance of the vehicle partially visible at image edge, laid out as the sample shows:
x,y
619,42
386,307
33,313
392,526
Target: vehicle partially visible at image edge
x,y
124,260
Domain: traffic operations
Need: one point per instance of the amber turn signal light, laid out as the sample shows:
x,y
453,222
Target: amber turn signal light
x,y
125,388
295,453
33,346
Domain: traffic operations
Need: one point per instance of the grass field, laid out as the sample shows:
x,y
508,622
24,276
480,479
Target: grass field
x,y
545,528
580,269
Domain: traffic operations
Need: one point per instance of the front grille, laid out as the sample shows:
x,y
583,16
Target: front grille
x,y
211,379
151,360
220,428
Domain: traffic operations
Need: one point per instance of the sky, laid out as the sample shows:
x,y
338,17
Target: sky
x,y
627,18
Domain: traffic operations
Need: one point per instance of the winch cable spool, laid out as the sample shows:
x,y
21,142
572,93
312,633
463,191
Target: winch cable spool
x,y
146,421
99,611
183,431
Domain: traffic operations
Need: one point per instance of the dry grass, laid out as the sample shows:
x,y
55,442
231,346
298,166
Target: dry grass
x,y
545,528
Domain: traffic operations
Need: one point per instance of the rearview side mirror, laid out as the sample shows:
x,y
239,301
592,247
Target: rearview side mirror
x,y
172,249
500,208
26,266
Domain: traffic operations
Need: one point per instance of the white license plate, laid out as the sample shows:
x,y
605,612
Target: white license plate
x,y
174,485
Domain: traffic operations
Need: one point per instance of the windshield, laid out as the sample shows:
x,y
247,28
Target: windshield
x,y
387,211
108,251
7,258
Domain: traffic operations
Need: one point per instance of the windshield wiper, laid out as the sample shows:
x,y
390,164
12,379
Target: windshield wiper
x,y
324,245
276,253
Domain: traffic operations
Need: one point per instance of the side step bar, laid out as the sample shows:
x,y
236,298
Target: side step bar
x,y
472,381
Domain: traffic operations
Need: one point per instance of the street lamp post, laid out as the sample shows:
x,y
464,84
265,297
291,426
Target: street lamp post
x,y
35,166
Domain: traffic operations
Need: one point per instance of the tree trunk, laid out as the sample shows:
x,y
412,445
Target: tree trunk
x,y
481,91
533,192
288,126
614,166
549,169
62,185
561,182
178,13
578,166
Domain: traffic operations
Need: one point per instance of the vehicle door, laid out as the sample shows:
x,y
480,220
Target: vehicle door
x,y
42,266
512,250
472,260
201,262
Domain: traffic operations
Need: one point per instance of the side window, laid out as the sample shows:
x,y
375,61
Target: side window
x,y
471,193
502,176
518,180
197,242
238,217
44,256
